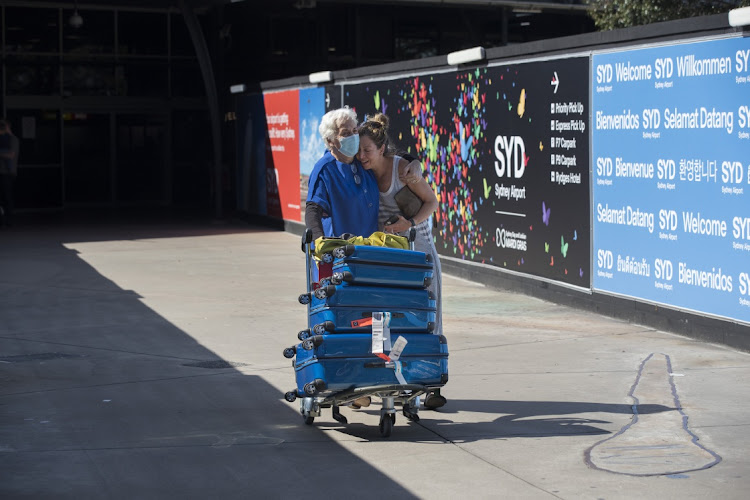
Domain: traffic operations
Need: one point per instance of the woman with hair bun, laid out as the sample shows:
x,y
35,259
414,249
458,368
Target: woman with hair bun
x,y
377,155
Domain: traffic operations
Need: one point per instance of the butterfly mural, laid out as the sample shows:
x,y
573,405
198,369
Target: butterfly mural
x,y
465,144
450,121
521,104
545,214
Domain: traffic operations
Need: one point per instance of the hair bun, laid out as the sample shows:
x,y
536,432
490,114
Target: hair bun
x,y
381,119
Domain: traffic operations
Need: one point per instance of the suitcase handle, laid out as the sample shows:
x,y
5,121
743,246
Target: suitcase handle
x,y
382,364
393,315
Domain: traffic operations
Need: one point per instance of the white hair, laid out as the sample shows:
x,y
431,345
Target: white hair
x,y
331,121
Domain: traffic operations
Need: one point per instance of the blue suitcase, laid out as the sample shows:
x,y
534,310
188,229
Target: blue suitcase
x,y
346,308
334,364
382,266
373,297
359,319
340,362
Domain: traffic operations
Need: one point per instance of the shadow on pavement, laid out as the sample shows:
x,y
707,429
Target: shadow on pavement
x,y
515,419
100,397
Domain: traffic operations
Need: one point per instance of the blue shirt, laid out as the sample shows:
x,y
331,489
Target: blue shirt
x,y
348,207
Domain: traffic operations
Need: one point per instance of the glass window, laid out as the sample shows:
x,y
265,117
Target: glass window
x,y
32,77
147,79
87,162
88,79
340,42
416,39
415,48
182,45
187,80
95,36
191,168
141,165
39,187
142,33
38,132
32,30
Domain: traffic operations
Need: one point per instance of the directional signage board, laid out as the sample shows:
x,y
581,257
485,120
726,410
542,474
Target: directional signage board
x,y
507,150
671,175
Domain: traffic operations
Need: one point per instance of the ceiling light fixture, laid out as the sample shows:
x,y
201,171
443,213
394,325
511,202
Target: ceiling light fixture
x,y
76,20
321,77
466,56
739,17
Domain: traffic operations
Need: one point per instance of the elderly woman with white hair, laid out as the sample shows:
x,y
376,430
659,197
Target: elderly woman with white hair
x,y
342,196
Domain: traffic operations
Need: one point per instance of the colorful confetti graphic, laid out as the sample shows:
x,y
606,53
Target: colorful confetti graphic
x,y
490,141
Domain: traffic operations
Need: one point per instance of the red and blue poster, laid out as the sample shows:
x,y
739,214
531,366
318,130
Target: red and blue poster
x,y
282,154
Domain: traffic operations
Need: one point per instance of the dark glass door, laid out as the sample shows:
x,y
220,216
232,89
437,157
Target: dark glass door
x,y
141,166
87,165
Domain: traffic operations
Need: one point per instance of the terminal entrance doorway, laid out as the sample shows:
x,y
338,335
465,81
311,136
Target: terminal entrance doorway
x,y
141,170
115,159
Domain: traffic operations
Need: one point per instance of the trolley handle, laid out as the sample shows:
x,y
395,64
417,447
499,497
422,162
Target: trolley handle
x,y
306,239
412,230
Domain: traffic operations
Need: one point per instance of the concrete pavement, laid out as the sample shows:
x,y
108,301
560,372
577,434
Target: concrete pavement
x,y
143,360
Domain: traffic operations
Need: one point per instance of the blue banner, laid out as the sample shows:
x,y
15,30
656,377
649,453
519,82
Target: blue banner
x,y
671,175
311,147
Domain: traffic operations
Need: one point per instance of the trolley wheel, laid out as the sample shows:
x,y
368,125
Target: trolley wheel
x,y
289,352
339,252
304,299
324,282
322,328
319,329
308,420
386,425
311,343
327,258
291,396
304,334
393,418
325,292
310,389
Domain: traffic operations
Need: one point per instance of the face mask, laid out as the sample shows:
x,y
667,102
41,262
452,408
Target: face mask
x,y
349,145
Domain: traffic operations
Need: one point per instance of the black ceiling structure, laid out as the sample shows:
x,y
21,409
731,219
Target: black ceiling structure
x,y
97,55
257,40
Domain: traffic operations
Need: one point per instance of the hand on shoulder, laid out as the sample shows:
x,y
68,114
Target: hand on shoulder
x,y
410,172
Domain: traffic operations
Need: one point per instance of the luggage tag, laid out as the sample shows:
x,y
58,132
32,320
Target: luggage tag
x,y
377,333
361,323
387,331
398,347
381,332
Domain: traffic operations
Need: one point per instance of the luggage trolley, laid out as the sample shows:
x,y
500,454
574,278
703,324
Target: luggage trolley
x,y
369,333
